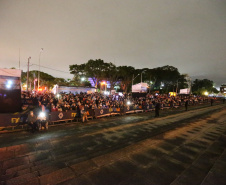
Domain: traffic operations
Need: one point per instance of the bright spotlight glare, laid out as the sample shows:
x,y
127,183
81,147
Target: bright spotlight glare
x,y
128,103
41,114
9,84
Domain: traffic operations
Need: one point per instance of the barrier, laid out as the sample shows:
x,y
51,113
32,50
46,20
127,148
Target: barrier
x,y
128,109
102,112
62,116
149,107
90,113
14,120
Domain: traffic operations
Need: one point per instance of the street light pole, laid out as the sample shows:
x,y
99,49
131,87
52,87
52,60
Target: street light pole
x,y
134,78
39,67
141,76
28,63
132,81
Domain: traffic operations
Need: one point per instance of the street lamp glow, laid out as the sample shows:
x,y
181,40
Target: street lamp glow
x,y
206,93
83,79
128,103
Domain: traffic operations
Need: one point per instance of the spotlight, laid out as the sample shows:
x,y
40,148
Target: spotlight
x,y
9,84
41,115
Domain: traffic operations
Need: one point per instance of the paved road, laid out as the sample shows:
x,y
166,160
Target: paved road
x,y
179,148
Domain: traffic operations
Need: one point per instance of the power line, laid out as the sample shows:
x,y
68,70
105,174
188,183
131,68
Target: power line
x,y
52,69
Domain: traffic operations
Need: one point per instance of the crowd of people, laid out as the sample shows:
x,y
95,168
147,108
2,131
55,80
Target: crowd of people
x,y
65,102
49,102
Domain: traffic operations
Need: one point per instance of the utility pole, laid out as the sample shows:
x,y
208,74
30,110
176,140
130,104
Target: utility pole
x,y
19,58
141,78
28,72
39,67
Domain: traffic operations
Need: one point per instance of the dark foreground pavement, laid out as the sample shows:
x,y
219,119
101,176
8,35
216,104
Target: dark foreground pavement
x,y
183,148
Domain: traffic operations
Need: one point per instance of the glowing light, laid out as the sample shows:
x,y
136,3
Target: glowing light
x,y
106,93
9,84
206,93
41,114
103,82
83,79
128,103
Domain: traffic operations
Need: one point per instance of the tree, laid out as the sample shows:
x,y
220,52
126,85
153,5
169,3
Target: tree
x,y
166,75
95,69
200,86
125,76
45,79
111,74
78,71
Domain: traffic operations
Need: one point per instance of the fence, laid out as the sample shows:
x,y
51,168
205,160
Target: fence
x,y
72,115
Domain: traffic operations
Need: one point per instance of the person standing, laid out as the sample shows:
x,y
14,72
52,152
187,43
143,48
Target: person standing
x,y
157,109
186,105
211,101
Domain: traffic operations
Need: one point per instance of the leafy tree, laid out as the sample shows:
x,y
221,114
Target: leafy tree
x,y
111,74
45,79
95,69
200,86
125,76
78,71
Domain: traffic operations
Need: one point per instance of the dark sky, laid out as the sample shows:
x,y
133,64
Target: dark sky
x,y
187,34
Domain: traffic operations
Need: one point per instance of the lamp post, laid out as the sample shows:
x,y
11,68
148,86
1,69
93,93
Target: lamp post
x,y
132,81
134,78
28,63
141,76
39,67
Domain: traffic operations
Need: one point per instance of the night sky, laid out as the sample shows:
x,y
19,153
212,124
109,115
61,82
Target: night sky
x,y
187,34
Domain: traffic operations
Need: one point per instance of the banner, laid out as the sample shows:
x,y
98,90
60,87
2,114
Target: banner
x,y
128,109
102,112
10,120
59,115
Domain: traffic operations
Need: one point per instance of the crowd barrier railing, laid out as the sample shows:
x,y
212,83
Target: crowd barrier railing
x,y
14,120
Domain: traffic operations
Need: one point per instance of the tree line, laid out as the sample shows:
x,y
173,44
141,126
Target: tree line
x,y
163,79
